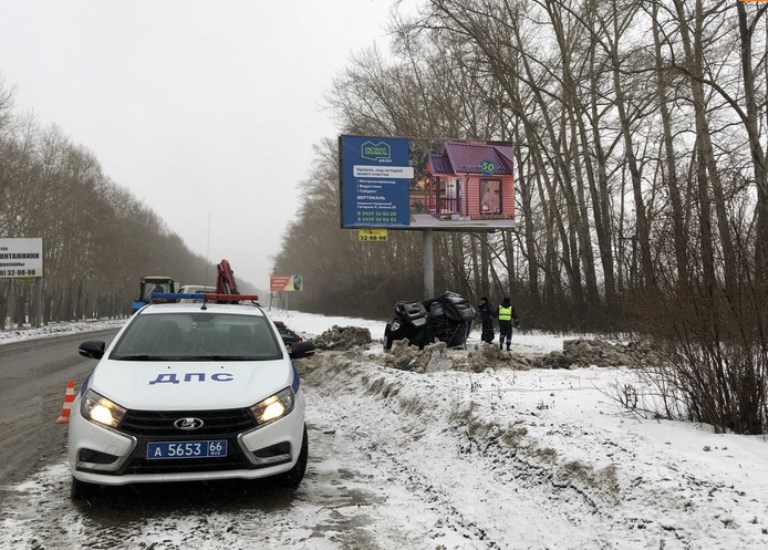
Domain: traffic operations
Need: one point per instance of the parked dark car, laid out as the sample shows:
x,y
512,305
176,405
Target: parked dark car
x,y
293,341
448,318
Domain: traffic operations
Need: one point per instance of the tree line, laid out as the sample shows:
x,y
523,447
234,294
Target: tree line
x,y
98,240
642,197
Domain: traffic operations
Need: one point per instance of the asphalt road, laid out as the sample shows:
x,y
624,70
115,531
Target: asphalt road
x,y
33,379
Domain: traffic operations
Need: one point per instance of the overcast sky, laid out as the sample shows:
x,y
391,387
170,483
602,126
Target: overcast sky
x,y
204,110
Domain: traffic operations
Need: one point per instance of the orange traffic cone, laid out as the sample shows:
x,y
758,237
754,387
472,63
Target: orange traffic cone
x,y
66,409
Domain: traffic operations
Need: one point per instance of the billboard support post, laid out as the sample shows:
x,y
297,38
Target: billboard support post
x,y
38,302
429,263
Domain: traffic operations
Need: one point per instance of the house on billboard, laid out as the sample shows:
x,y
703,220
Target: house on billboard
x,y
469,181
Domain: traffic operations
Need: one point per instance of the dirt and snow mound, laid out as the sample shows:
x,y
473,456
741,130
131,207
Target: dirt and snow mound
x,y
600,353
432,358
343,338
488,357
438,357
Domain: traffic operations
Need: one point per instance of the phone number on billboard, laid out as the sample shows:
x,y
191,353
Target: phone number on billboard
x,y
17,272
376,217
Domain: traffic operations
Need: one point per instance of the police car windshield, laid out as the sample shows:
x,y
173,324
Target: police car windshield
x,y
198,336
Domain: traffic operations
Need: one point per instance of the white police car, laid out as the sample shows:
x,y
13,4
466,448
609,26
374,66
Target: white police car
x,y
189,391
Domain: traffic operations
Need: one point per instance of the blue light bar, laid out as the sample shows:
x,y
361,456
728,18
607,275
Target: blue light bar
x,y
209,296
178,296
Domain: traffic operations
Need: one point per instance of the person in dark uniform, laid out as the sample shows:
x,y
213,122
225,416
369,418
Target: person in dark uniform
x,y
486,317
507,316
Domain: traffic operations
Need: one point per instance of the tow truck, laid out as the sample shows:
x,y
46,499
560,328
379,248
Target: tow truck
x,y
225,293
150,284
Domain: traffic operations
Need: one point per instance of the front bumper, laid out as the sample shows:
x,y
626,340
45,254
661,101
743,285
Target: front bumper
x,y
106,456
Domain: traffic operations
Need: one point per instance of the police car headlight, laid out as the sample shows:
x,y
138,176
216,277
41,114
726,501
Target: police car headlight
x,y
100,410
274,407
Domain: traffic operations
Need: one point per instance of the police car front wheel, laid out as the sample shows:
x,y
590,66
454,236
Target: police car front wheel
x,y
292,478
80,490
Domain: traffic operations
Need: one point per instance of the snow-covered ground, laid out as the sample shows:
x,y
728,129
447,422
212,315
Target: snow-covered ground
x,y
57,329
448,459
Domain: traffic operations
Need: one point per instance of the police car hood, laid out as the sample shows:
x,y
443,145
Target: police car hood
x,y
155,385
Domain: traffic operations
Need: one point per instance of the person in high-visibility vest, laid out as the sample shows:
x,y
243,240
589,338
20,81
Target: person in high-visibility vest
x,y
507,315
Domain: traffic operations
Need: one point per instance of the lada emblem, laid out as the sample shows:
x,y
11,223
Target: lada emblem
x,y
189,423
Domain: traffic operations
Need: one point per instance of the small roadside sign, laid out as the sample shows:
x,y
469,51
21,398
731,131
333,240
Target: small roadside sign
x,y
21,258
372,234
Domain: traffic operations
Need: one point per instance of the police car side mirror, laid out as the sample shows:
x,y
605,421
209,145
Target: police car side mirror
x,y
298,350
92,349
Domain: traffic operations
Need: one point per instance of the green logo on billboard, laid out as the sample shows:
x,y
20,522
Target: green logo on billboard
x,y
487,168
375,151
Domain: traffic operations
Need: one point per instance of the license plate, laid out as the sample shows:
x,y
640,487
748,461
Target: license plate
x,y
187,449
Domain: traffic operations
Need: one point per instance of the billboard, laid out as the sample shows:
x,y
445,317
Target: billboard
x,y
286,283
408,183
21,258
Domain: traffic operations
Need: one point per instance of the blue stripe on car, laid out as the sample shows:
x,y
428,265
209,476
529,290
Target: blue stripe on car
x,y
296,381
84,387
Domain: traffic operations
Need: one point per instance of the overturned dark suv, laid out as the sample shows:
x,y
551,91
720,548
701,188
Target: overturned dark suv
x,y
448,318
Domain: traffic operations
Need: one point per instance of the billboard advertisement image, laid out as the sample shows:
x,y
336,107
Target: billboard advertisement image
x,y
408,183
286,283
